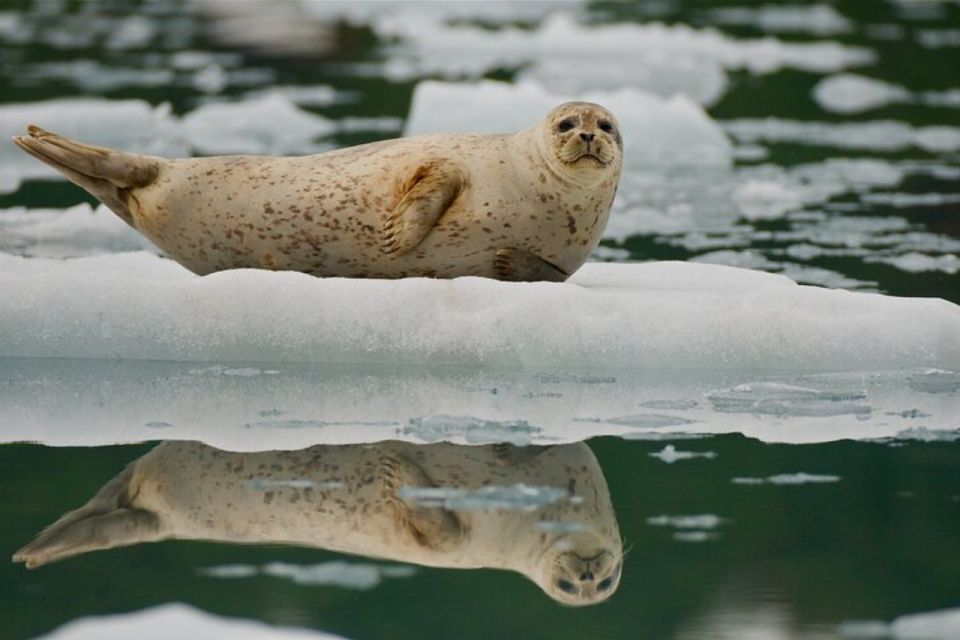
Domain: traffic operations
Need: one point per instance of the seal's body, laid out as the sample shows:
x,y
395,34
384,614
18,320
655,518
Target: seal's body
x,y
352,499
524,206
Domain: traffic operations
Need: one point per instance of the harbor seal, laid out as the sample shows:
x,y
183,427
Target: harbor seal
x,y
525,206
440,505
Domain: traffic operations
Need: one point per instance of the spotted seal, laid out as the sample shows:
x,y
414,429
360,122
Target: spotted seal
x,y
367,500
525,206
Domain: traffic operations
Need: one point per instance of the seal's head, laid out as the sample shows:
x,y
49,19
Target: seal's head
x,y
584,138
580,568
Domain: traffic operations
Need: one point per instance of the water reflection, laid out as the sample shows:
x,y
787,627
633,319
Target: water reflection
x,y
542,511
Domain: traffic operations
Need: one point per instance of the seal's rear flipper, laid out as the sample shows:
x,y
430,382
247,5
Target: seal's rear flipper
x,y
107,520
106,173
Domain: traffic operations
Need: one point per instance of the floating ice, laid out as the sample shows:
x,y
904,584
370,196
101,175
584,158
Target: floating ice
x,y
666,314
935,381
693,536
669,454
701,521
939,38
519,497
67,233
656,131
765,200
878,135
473,430
643,420
818,19
772,398
177,621
268,125
789,479
669,58
932,625
914,262
850,93
96,77
345,575
560,528
923,434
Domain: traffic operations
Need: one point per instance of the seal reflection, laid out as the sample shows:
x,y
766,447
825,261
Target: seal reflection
x,y
544,512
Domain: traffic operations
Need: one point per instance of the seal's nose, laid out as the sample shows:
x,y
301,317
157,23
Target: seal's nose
x,y
586,575
587,137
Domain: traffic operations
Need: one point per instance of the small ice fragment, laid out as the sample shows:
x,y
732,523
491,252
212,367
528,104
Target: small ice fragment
x,y
560,528
924,434
701,521
693,536
521,497
851,93
159,424
473,430
935,381
229,571
669,454
676,405
788,479
347,575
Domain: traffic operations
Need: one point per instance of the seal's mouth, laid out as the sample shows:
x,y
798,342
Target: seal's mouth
x,y
590,157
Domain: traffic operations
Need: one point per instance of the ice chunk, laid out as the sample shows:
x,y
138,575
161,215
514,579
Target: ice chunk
x,y
269,125
669,454
669,314
67,233
851,93
643,420
458,50
346,575
772,398
878,135
519,497
939,38
928,435
765,200
818,19
935,381
177,621
934,625
473,430
701,521
658,132
914,262
789,479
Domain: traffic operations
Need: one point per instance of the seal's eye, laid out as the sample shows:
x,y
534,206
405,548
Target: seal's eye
x,y
565,586
565,125
604,584
605,126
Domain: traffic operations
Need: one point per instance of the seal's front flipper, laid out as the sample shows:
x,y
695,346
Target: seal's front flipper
x,y
432,527
425,196
515,265
107,520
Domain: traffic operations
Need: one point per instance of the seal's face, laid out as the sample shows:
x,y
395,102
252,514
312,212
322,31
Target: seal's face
x,y
585,137
581,569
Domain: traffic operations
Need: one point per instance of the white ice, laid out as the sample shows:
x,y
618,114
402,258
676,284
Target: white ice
x,y
358,576
818,19
668,314
700,521
851,93
670,454
876,135
656,131
789,479
656,57
930,625
515,497
67,233
177,621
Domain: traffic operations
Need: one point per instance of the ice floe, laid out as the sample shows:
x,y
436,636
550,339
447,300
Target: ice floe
x,y
779,399
852,93
656,131
656,57
818,19
670,454
359,576
76,231
177,621
788,479
669,314
877,135
931,625
515,497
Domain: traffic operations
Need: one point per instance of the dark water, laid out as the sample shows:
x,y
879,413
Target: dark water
x,y
785,560
879,540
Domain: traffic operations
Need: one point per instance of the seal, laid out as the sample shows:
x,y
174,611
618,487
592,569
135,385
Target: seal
x,y
524,206
424,504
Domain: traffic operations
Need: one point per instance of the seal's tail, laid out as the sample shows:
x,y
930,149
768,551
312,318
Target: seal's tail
x,y
107,520
107,174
